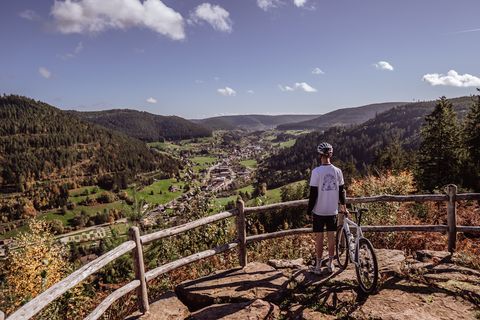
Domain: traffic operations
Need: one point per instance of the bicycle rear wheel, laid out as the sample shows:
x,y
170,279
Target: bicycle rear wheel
x,y
367,268
342,247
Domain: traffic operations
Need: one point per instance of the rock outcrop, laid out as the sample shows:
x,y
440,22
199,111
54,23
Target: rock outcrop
x,y
429,285
167,307
255,281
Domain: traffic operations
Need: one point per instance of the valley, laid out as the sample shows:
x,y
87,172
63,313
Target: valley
x,y
214,171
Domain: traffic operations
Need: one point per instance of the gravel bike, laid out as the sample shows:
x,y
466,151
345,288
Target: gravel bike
x,y
358,249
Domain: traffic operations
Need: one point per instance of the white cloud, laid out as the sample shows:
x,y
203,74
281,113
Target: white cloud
x,y
466,31
78,48
452,79
285,88
300,86
73,54
227,91
383,65
29,15
250,91
198,81
216,16
152,100
44,72
317,71
268,4
92,16
299,3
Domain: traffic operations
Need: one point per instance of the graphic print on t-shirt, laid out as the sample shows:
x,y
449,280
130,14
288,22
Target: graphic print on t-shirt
x,y
329,183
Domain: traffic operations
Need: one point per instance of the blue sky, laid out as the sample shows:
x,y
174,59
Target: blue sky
x,y
204,58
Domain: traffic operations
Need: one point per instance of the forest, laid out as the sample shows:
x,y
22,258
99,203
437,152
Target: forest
x,y
389,141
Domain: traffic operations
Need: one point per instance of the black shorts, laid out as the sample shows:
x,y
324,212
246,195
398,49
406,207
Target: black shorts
x,y
319,222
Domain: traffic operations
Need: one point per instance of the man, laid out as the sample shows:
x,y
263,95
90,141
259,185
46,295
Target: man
x,y
326,191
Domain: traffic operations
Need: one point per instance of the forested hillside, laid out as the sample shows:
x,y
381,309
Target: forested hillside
x,y
146,126
252,121
40,142
342,117
381,141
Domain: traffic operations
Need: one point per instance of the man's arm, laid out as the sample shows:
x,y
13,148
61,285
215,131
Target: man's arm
x,y
343,198
312,199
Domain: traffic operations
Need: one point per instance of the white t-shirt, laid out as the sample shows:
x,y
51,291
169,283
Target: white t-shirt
x,y
327,178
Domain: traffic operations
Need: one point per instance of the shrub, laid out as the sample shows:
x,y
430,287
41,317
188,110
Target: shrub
x,y
38,263
106,197
386,183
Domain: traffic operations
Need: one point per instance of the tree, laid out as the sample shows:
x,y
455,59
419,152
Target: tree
x,y
471,141
393,157
439,155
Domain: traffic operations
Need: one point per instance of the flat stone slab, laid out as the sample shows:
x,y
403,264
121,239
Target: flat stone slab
x,y
408,300
167,307
252,310
299,312
255,281
433,256
390,263
286,264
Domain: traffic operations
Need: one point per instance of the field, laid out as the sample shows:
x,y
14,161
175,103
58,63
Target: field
x,y
202,163
286,144
250,163
272,196
157,192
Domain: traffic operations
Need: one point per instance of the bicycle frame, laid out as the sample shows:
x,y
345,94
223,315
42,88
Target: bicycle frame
x,y
346,226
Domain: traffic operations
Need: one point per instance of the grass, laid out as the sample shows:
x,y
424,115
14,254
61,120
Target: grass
x,y
160,191
220,203
90,210
287,144
204,160
77,195
202,163
248,189
250,163
297,132
272,196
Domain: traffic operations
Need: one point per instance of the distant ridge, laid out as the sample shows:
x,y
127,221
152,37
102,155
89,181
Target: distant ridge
x,y
146,126
358,145
341,117
252,121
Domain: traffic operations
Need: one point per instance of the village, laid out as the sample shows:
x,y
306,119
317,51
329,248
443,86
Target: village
x,y
220,179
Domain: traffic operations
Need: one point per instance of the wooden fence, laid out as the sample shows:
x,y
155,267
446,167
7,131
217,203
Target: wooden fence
x,y
136,242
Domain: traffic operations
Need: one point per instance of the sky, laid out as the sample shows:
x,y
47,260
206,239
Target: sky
x,y
197,59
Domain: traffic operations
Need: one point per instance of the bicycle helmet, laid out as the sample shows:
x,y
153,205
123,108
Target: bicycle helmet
x,y
325,148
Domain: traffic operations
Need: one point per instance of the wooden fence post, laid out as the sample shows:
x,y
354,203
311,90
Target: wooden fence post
x,y
139,267
452,217
241,233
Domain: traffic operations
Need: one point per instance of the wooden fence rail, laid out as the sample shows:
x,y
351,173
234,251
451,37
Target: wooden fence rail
x,y
136,243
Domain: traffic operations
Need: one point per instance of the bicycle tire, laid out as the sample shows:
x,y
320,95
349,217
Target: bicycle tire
x,y
341,247
366,285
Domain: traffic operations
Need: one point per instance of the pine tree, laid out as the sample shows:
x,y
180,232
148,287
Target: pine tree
x,y
439,155
471,141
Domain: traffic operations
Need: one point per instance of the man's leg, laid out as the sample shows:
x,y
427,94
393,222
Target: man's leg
x,y
331,228
331,244
318,248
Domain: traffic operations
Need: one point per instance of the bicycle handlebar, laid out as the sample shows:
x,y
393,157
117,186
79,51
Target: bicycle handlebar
x,y
358,214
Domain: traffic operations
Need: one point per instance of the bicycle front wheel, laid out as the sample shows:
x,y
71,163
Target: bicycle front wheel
x,y
367,267
342,247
